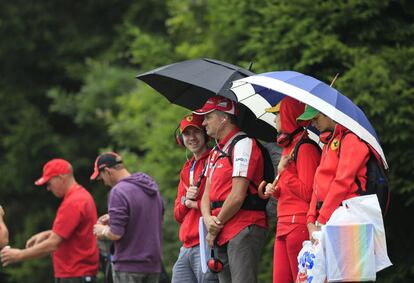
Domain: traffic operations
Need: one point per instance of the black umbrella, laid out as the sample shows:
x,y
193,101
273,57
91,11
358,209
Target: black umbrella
x,y
190,83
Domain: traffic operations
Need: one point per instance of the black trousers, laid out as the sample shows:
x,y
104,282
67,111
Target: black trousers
x,y
84,279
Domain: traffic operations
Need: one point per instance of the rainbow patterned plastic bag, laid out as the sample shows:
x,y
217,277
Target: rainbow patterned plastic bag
x,y
350,252
354,236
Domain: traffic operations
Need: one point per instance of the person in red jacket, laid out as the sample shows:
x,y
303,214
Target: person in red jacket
x,y
344,157
193,137
293,190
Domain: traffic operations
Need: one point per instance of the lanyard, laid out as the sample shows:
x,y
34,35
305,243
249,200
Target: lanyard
x,y
192,173
200,177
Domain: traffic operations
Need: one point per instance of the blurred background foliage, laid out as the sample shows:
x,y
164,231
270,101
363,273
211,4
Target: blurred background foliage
x,y
68,89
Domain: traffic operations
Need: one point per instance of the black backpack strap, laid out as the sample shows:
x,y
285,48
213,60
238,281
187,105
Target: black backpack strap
x,y
231,146
252,201
303,141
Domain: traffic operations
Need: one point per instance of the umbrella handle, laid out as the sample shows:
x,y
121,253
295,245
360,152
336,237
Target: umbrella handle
x,y
260,189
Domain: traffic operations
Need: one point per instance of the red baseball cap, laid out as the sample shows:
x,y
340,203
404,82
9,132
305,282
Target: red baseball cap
x,y
191,120
54,168
219,103
105,160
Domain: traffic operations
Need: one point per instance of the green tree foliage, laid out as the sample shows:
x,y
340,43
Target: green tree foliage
x,y
68,88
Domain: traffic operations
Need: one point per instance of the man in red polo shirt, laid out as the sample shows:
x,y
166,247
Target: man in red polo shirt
x,y
71,241
234,223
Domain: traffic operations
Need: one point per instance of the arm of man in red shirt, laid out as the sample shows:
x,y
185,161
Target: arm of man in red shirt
x,y
4,232
42,248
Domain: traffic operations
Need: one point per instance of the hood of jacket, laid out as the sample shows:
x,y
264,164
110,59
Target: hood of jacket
x,y
290,110
144,181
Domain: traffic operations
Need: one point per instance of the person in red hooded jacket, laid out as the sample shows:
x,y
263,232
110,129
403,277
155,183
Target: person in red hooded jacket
x,y
344,158
293,189
193,137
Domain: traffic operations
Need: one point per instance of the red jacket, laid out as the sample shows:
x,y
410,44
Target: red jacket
x,y
188,217
295,183
343,159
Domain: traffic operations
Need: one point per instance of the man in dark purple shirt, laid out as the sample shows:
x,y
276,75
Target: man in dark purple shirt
x,y
133,222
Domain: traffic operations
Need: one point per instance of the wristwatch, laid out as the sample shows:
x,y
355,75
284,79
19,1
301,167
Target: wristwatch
x,y
317,224
183,199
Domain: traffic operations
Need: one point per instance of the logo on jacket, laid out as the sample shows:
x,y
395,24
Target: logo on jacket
x,y
335,144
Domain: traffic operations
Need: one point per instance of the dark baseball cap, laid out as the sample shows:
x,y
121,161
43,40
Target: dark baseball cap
x,y
105,160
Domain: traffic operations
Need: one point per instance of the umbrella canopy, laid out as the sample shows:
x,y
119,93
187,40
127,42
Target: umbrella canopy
x,y
190,83
269,88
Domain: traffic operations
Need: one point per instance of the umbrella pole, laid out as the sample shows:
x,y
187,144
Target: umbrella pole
x,y
334,79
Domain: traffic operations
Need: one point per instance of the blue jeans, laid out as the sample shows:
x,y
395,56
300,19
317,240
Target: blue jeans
x,y
187,268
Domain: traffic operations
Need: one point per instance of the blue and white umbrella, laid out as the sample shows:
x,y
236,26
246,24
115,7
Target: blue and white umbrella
x,y
267,89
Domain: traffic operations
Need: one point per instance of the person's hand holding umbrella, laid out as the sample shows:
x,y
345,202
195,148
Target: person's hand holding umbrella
x,y
272,189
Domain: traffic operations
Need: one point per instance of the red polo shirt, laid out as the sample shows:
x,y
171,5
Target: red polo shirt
x,y
247,163
342,160
189,217
78,254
